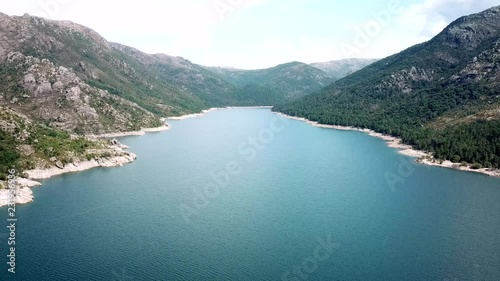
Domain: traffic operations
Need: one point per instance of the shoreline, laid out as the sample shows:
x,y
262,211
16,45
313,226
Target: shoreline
x,y
422,157
24,185
42,174
203,112
24,193
141,132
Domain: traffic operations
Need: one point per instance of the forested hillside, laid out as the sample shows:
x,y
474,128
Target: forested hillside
x,y
441,96
284,82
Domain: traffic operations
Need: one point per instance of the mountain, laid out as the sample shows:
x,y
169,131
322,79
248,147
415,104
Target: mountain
x,y
338,69
442,95
161,84
285,82
158,83
61,81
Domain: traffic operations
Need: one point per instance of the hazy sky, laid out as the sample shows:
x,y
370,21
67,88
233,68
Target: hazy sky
x,y
259,33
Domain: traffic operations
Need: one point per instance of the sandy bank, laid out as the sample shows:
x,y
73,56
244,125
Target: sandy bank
x,y
203,112
423,157
456,166
187,116
131,133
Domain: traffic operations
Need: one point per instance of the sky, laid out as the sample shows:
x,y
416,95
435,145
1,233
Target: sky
x,y
253,34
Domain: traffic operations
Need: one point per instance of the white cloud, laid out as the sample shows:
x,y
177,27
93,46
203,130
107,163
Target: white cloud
x,y
432,16
418,23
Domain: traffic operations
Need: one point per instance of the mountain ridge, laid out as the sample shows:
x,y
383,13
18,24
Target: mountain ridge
x,y
338,69
69,81
417,93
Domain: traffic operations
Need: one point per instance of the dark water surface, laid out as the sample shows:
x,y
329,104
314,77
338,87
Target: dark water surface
x,y
240,194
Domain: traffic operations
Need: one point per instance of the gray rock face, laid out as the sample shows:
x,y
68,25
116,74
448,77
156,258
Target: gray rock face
x,y
59,165
26,150
470,32
70,103
44,89
341,68
486,66
29,83
73,94
403,80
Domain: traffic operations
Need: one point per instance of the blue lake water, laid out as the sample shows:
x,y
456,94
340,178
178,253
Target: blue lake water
x,y
240,194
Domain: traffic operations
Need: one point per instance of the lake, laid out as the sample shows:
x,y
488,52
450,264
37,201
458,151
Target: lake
x,y
242,194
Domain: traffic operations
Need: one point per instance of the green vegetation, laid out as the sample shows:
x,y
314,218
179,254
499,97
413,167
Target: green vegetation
x,y
476,166
421,95
49,143
8,154
285,82
408,117
39,142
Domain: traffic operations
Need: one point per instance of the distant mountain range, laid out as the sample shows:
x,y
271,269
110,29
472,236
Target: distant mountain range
x,y
340,68
44,61
61,80
292,80
442,95
285,81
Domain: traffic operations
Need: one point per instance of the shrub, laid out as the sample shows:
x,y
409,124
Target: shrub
x,y
476,166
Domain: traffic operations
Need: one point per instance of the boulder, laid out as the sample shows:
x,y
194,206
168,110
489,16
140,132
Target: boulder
x,y
59,165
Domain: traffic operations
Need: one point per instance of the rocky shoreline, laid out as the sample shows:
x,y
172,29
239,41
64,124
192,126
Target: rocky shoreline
x,y
120,157
40,174
24,193
24,185
423,157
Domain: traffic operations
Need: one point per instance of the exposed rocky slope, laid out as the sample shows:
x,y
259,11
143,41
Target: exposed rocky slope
x,y
57,96
97,62
61,80
27,145
159,83
341,68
